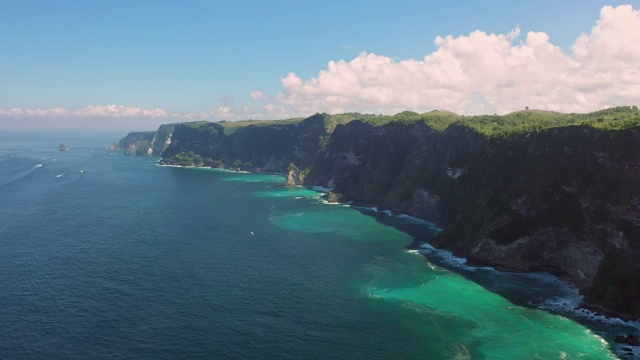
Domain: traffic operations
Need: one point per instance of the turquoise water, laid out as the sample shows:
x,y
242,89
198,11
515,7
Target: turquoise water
x,y
108,256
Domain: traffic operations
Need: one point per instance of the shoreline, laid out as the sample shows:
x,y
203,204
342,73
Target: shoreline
x,y
593,309
570,304
159,163
574,308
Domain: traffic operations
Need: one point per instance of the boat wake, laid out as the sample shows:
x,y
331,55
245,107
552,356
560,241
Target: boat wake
x,y
17,172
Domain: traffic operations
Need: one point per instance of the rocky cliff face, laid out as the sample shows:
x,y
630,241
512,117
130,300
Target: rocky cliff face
x,y
151,143
205,139
564,200
294,176
258,148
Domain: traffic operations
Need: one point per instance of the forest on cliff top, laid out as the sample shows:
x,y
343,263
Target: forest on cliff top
x,y
492,126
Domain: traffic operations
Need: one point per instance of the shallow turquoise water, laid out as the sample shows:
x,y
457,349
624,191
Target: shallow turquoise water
x,y
120,258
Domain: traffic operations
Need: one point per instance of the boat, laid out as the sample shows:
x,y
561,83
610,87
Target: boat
x,y
62,147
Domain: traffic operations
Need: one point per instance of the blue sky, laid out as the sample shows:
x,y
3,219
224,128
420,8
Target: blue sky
x,y
206,58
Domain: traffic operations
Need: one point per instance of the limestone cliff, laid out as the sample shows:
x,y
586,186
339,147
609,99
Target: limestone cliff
x,y
565,200
150,143
256,148
294,176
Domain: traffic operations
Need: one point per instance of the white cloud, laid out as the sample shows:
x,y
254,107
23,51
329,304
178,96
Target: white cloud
x,y
478,73
259,96
484,73
90,116
87,111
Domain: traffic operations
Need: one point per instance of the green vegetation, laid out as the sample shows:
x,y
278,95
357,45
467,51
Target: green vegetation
x,y
238,164
492,126
617,118
502,126
231,126
192,159
142,147
292,167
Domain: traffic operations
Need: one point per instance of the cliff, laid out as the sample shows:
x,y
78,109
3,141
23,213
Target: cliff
x,y
257,148
150,143
528,191
563,200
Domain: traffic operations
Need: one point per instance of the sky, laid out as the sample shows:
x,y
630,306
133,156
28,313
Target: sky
x,y
135,64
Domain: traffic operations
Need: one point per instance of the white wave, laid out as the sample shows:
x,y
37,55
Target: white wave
x,y
445,255
416,220
373,208
448,258
320,188
427,246
331,203
403,217
569,305
566,302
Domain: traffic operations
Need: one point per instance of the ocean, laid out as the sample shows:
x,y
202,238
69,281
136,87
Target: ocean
x,y
106,256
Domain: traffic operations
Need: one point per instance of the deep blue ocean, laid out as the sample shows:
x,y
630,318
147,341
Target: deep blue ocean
x,y
106,256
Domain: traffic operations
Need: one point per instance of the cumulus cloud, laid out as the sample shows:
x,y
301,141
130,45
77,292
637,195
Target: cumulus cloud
x,y
259,96
87,111
483,73
478,73
90,116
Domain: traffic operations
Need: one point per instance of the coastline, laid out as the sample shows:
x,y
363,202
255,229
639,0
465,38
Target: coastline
x,y
592,311
209,168
571,305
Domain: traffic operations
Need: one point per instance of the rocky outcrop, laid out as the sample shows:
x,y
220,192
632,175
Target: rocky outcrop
x,y
629,339
294,176
555,250
333,198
